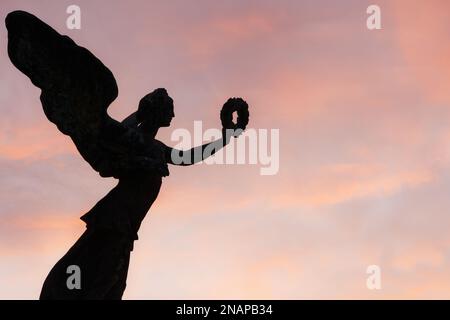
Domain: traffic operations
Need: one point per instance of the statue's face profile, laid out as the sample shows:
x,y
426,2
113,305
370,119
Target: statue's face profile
x,y
167,113
156,109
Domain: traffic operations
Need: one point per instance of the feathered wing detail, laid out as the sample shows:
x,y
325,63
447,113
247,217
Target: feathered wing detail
x,y
77,89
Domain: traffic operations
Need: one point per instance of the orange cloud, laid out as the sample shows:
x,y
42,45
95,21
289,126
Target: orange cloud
x,y
223,34
419,256
38,141
45,233
335,184
420,29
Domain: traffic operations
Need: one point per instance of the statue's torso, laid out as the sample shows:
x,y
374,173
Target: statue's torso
x,y
127,204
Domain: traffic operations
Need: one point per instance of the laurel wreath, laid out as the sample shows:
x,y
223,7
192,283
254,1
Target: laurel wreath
x,y
226,114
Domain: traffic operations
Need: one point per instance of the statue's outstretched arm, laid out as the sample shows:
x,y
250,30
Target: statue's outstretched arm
x,y
196,154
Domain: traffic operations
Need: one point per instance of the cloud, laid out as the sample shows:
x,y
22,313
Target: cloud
x,y
36,142
335,184
419,30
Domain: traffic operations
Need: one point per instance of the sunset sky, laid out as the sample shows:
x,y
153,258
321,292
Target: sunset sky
x,y
364,120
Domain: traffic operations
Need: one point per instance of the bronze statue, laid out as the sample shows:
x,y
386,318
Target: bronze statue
x,y
76,92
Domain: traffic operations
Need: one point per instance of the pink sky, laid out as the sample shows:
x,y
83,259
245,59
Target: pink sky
x,y
364,119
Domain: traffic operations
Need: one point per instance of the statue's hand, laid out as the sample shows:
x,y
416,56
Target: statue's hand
x,y
226,136
228,133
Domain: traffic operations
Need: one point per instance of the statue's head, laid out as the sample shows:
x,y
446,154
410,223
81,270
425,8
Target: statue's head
x,y
156,109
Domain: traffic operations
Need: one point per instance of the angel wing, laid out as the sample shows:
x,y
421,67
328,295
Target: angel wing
x,y
77,89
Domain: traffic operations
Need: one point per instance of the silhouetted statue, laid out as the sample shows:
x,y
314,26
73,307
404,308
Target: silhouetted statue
x,y
76,92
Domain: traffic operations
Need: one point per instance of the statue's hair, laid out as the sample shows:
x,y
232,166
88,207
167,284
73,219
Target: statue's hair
x,y
151,105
